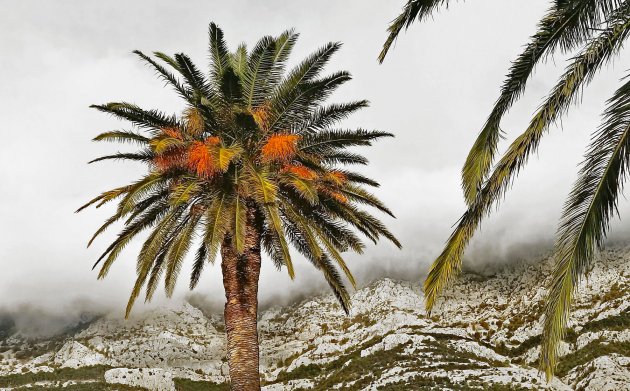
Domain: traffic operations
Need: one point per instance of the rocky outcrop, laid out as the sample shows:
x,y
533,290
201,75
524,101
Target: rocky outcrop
x,y
155,379
484,333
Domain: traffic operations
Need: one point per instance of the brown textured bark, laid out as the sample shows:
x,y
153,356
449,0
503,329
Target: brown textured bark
x,y
240,280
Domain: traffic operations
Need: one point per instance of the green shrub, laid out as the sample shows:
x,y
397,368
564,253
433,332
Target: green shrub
x,y
60,375
191,385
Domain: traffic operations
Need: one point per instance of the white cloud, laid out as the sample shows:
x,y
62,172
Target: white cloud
x,y
433,92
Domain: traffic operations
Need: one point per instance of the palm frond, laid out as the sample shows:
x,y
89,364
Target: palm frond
x,y
343,157
143,156
283,46
586,216
334,281
219,55
122,136
413,10
105,197
144,221
238,60
564,26
177,252
324,117
240,220
156,272
289,90
304,240
362,196
259,69
193,76
166,76
339,139
580,72
275,224
151,120
355,177
151,248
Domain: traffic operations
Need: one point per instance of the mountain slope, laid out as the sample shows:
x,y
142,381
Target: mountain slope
x,y
484,335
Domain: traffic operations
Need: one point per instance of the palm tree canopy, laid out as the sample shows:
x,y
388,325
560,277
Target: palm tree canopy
x,y
251,136
599,28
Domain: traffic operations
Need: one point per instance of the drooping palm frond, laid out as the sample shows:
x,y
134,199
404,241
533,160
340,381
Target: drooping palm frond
x,y
565,26
414,10
580,72
587,212
252,141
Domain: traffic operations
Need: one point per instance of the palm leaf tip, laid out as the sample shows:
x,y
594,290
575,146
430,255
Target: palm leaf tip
x,y
412,11
479,162
394,29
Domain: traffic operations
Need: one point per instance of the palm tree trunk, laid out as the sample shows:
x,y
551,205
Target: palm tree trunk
x,y
240,280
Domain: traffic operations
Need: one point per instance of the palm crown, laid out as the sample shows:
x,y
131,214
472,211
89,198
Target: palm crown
x,y
250,138
598,28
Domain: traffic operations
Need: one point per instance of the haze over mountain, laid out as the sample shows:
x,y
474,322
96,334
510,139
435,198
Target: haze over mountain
x,y
483,335
67,55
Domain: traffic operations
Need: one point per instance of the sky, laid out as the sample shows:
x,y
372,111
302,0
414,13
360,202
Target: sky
x,y
433,92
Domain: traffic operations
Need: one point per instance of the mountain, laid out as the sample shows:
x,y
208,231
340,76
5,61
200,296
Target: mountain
x,y
483,335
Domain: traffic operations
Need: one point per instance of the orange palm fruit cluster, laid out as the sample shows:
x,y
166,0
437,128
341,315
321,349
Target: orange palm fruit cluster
x,y
202,157
336,177
280,147
301,172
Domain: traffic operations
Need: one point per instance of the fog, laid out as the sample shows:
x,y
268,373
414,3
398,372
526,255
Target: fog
x,y
433,92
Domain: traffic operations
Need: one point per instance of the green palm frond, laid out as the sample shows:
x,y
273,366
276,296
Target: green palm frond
x,y
144,119
564,26
586,217
214,230
339,139
238,60
260,67
580,72
324,117
148,254
122,136
355,177
289,90
283,46
169,60
334,281
414,10
142,156
177,251
219,55
276,229
105,197
167,76
193,76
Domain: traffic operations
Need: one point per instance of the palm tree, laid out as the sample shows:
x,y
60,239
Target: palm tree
x,y
252,164
598,28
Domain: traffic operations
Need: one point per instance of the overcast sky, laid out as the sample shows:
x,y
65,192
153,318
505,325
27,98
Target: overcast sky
x,y
434,92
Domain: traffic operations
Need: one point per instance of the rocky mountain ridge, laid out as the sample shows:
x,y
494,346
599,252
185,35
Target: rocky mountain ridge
x,y
484,334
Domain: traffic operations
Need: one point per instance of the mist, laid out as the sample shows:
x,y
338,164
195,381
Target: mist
x,y
433,92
